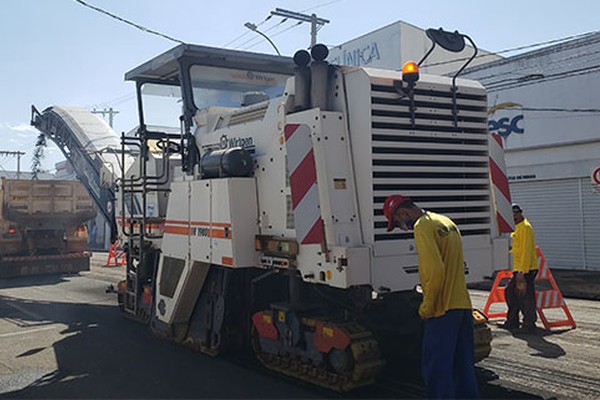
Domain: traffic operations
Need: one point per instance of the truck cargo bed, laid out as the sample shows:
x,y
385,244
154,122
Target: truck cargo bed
x,y
51,204
13,267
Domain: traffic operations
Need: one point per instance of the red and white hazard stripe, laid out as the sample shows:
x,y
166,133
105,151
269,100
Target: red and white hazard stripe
x,y
500,185
303,183
543,271
549,299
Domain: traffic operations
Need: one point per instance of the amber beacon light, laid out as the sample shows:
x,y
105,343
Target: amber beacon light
x,y
410,72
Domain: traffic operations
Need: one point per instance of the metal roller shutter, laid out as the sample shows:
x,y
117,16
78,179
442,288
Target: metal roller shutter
x,y
591,219
554,208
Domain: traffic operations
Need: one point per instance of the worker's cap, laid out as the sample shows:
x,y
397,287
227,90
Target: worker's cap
x,y
390,206
516,208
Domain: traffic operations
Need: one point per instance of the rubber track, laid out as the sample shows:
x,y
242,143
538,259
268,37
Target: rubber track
x,y
366,363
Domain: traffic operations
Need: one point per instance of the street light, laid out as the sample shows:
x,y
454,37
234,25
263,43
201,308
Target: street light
x,y
253,28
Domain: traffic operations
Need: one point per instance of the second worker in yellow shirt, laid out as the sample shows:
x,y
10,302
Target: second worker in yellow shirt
x,y
520,291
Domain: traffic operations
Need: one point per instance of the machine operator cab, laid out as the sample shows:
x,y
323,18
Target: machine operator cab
x,y
192,86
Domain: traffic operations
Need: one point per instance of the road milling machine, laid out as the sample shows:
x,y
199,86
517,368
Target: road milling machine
x,y
271,235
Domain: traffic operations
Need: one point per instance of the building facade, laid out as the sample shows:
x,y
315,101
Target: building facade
x,y
546,106
393,45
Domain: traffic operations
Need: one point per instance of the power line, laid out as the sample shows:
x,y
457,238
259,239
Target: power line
x,y
257,39
569,110
565,47
246,32
314,20
530,75
486,79
237,38
278,25
495,86
525,47
276,34
281,22
288,28
115,101
561,75
16,154
321,5
140,27
110,111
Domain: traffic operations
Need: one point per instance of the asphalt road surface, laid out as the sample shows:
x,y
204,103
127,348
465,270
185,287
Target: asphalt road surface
x,y
63,337
562,363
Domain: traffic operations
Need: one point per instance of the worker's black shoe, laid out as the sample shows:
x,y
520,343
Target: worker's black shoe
x,y
509,327
529,329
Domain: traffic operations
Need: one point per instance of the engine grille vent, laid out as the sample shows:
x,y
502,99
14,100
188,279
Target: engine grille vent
x,y
441,167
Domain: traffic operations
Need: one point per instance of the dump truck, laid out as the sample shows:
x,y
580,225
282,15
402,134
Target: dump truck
x,y
42,227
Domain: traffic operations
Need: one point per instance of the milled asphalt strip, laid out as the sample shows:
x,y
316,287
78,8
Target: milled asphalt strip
x,y
536,376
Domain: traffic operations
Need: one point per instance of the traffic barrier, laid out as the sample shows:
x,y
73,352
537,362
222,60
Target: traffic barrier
x,y
547,295
497,295
116,255
550,298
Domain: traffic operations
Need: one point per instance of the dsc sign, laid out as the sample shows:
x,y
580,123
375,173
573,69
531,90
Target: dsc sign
x,y
506,118
505,126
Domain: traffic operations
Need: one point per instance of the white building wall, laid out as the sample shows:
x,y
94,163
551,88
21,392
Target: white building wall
x,y
393,45
551,133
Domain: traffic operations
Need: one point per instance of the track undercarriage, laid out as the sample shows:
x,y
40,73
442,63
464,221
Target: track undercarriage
x,y
313,340
338,355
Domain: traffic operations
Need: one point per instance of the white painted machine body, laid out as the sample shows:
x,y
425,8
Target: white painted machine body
x,y
364,149
273,229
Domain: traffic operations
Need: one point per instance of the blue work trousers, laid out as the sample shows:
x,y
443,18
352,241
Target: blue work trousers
x,y
448,356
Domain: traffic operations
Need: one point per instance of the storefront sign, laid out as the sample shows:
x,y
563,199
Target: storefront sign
x,y
596,176
505,126
505,119
358,56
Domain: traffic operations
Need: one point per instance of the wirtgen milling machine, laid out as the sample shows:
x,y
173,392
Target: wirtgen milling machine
x,y
268,231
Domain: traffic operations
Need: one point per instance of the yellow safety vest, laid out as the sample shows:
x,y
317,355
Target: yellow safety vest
x,y
441,265
523,248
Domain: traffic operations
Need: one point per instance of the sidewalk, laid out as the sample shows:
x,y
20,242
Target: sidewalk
x,y
575,284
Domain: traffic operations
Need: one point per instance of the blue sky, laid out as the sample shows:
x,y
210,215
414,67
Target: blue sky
x,y
58,52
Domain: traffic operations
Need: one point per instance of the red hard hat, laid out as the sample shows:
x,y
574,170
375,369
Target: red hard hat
x,y
390,206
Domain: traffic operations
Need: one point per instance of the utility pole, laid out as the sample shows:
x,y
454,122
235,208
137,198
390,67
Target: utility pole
x,y
17,154
105,111
315,22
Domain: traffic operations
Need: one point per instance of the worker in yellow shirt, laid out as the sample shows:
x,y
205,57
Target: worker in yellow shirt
x,y
448,348
520,290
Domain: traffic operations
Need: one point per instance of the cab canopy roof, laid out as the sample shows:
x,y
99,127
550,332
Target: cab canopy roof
x,y
165,67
